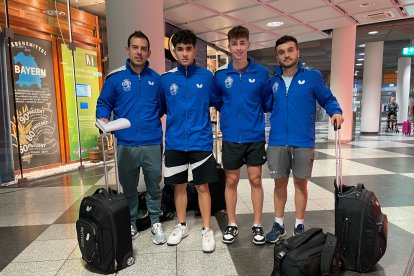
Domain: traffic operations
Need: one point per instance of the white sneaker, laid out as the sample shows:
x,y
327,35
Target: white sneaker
x,y
134,232
208,243
179,233
158,236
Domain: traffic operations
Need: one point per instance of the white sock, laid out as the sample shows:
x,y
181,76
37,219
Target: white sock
x,y
257,225
299,221
279,220
232,224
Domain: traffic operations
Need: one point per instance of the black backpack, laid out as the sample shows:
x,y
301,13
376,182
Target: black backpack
x,y
312,253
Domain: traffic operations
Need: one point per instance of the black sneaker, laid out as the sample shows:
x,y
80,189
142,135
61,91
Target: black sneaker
x,y
258,235
230,233
299,230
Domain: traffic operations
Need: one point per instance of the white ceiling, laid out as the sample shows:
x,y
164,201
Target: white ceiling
x,y
307,20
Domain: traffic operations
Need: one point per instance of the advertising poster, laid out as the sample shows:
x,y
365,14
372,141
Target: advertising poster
x,y
87,92
34,90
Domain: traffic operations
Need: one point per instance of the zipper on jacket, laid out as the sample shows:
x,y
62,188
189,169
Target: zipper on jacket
x,y
139,113
186,110
240,111
287,112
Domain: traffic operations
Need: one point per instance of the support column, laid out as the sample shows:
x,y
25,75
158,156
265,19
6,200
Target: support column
x,y
371,87
342,76
126,16
403,87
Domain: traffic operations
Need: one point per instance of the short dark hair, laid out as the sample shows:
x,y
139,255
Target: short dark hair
x,y
138,34
185,37
238,32
286,38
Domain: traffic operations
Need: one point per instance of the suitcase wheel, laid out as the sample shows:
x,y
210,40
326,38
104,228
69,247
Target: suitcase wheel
x,y
130,261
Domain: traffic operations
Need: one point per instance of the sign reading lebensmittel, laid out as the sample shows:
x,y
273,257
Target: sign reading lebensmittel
x,y
408,51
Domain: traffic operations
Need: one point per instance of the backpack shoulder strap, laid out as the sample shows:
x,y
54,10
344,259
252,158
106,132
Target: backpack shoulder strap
x,y
328,253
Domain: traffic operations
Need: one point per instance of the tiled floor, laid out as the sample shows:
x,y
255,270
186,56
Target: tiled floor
x,y
38,237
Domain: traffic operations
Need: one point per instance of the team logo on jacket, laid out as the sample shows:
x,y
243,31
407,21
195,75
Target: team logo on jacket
x,y
151,83
275,87
252,80
228,82
173,89
199,85
301,81
126,85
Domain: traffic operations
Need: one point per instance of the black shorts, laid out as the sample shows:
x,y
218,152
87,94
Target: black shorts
x,y
201,163
234,155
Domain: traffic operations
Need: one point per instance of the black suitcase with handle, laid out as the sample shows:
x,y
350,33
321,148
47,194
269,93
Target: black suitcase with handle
x,y
360,226
103,228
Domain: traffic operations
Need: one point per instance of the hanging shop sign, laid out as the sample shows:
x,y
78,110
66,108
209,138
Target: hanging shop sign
x,y
35,114
82,108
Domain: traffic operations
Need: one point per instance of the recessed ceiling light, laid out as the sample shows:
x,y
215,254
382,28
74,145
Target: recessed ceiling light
x,y
373,32
360,59
362,54
274,24
358,64
361,45
367,4
54,12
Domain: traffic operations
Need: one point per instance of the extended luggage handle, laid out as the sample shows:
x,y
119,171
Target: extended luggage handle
x,y
216,124
115,160
338,157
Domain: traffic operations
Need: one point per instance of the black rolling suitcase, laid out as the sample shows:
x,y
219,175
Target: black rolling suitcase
x,y
360,226
103,228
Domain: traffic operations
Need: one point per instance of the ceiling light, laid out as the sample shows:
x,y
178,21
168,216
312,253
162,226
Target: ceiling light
x,y
373,32
367,4
362,54
274,24
361,45
358,64
54,12
360,59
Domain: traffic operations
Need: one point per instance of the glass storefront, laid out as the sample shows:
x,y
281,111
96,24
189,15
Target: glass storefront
x,y
51,63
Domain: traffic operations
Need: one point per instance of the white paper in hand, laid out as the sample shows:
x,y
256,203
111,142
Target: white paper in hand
x,y
114,125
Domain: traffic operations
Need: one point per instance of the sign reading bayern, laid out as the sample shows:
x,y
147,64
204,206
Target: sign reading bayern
x,y
34,122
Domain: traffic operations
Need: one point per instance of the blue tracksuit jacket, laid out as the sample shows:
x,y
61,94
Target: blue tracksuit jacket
x,y
186,95
135,97
245,98
294,111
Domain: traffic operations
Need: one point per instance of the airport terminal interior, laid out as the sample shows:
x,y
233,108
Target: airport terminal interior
x,y
44,182
38,235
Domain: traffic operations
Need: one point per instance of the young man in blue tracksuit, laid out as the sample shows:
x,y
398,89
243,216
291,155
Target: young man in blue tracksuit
x,y
292,133
186,95
243,87
132,92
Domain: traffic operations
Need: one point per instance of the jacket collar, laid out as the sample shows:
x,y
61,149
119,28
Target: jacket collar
x,y
278,70
250,67
187,71
145,71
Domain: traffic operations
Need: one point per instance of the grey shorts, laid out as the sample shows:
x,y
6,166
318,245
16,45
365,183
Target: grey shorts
x,y
281,160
